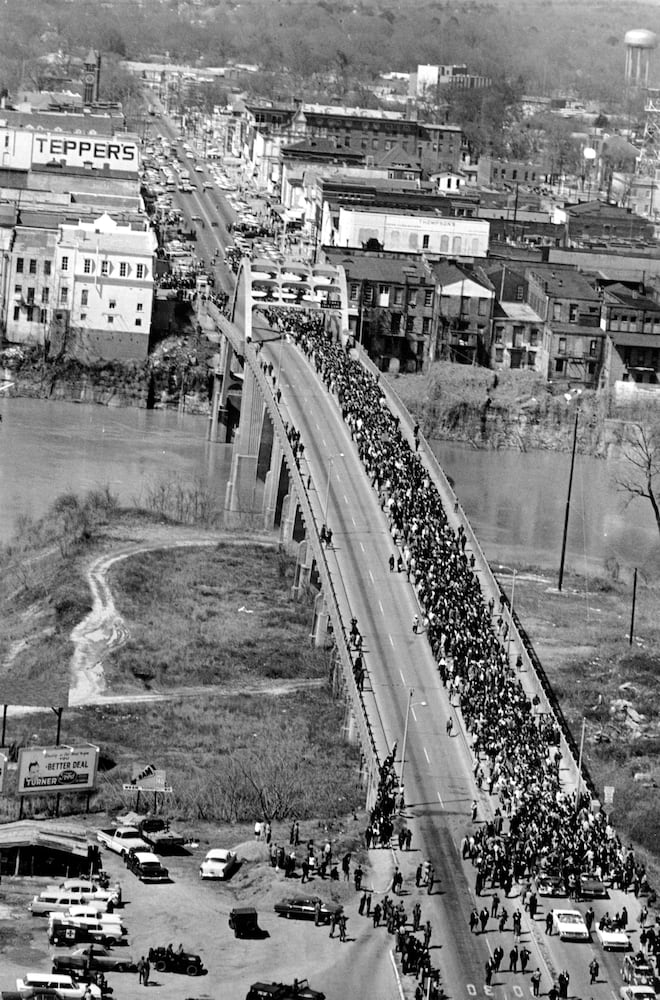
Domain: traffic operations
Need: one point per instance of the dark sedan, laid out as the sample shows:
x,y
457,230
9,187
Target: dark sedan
x,y
551,884
94,958
304,908
591,887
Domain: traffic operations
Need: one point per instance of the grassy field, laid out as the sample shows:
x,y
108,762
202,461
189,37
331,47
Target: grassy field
x,y
210,616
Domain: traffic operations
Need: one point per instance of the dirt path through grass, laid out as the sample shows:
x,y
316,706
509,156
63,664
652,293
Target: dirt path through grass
x,y
104,629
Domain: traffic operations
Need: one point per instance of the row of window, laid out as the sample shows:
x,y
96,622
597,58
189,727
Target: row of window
x,y
33,315
577,346
106,268
32,265
561,366
385,293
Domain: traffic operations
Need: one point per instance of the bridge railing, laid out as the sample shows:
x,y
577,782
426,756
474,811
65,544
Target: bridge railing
x,y
369,739
490,586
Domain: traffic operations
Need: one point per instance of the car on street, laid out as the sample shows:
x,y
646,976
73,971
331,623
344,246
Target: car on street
x,y
592,887
637,993
171,960
299,990
570,925
613,940
94,957
550,884
304,908
218,863
83,887
244,921
637,970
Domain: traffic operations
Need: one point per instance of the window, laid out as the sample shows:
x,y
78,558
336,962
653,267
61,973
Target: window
x,y
105,267
43,315
65,263
428,297
556,310
559,365
139,307
425,241
112,304
138,322
499,334
123,269
561,348
87,265
19,265
456,245
84,297
573,313
83,316
33,266
412,298
30,294
395,324
518,336
410,324
398,296
64,295
368,295
18,290
483,307
444,244
111,319
353,290
30,314
139,271
426,326
533,337
592,348
499,354
47,267
45,293
520,291
17,312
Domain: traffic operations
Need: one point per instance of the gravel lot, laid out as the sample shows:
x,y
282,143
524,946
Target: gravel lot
x,y
195,913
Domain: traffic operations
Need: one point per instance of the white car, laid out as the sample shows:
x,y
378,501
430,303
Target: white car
x,y
86,888
637,993
53,984
570,925
218,863
612,940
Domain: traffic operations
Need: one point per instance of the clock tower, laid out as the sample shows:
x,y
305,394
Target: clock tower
x,y
91,77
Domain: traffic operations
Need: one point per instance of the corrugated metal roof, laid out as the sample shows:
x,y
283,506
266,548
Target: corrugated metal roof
x,y
30,833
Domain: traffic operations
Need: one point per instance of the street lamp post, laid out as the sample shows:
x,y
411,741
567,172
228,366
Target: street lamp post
x,y
338,454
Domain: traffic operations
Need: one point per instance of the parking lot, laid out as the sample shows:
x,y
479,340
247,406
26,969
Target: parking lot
x,y
195,913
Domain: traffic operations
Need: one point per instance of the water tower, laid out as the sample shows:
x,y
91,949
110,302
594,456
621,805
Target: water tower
x,y
639,45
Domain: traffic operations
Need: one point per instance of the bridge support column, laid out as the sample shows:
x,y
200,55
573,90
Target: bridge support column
x,y
302,574
272,484
322,630
242,485
288,522
221,378
350,726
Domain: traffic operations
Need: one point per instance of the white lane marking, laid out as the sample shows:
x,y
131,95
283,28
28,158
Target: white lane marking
x,y
346,501
401,674
440,799
428,760
371,577
412,712
362,546
353,520
391,642
381,609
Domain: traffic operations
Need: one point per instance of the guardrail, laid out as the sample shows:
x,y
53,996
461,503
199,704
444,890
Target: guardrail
x,y
368,739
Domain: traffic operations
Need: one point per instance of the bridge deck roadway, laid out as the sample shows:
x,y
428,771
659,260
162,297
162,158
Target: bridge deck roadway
x,y
438,778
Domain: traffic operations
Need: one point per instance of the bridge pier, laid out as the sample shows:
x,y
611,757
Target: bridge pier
x,y
241,496
302,572
272,487
221,377
322,630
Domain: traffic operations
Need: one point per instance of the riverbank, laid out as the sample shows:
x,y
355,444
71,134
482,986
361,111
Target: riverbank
x,y
517,410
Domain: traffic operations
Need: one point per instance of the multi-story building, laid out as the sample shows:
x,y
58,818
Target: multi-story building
x,y
104,289
463,313
29,291
390,306
518,339
630,320
569,306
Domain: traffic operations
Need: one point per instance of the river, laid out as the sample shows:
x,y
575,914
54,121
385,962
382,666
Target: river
x,y
49,448
516,504
515,501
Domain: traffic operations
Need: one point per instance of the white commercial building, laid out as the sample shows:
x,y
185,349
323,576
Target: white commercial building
x,y
401,231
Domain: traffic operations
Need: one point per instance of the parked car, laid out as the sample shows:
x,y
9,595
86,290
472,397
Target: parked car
x,y
570,925
93,957
168,960
244,922
300,990
636,970
53,900
218,863
146,865
613,940
592,887
37,984
83,887
304,907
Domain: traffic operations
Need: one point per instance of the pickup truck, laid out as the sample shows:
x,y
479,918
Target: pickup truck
x,y
121,839
158,835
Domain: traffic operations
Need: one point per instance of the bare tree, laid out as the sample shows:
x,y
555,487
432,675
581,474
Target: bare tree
x,y
642,457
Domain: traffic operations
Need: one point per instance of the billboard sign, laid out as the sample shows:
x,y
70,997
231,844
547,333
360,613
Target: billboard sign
x,y
148,779
44,770
102,153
